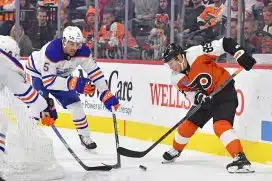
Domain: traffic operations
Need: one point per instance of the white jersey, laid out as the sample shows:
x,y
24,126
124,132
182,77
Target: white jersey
x,y
54,67
204,71
12,76
9,64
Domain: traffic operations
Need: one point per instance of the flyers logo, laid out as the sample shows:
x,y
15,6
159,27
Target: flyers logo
x,y
202,80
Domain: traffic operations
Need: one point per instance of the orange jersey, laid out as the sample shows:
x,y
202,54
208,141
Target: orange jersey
x,y
204,71
211,14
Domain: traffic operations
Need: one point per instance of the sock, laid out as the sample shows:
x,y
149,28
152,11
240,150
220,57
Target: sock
x,y
185,131
224,130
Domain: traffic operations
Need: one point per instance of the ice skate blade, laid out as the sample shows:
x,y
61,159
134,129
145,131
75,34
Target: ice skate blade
x,y
245,169
168,161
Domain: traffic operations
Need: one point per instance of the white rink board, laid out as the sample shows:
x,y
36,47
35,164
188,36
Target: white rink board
x,y
137,83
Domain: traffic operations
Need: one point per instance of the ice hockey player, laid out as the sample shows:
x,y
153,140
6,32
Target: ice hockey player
x,y
51,70
195,71
12,76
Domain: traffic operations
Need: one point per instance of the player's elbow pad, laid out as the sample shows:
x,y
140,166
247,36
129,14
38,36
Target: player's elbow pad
x,y
230,46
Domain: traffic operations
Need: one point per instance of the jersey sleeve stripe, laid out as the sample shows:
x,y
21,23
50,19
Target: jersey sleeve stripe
x,y
95,75
95,70
25,93
48,82
29,97
33,100
48,76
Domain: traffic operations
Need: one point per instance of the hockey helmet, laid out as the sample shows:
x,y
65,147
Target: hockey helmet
x,y
9,45
171,51
72,34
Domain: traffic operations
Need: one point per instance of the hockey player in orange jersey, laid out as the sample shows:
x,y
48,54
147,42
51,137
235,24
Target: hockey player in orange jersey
x,y
195,70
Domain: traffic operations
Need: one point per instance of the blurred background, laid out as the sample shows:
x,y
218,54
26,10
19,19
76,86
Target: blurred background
x,y
139,29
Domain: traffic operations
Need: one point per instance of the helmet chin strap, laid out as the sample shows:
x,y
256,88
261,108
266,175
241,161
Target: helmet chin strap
x,y
185,70
64,42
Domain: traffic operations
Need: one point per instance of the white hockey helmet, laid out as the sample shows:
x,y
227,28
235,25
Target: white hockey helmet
x,y
72,34
9,45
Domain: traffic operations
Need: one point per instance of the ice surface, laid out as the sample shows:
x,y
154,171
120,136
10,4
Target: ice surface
x,y
191,165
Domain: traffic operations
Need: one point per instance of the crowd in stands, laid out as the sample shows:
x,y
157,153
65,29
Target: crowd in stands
x,y
149,24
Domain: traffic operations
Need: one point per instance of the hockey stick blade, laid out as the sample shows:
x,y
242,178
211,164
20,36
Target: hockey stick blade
x,y
87,168
115,166
138,154
131,153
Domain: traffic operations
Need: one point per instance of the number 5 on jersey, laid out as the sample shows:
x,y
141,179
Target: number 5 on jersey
x,y
46,66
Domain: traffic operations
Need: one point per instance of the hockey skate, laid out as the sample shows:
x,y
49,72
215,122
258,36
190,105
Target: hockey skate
x,y
87,142
170,156
240,164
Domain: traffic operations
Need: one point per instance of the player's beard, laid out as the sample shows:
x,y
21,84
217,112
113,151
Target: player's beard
x,y
72,52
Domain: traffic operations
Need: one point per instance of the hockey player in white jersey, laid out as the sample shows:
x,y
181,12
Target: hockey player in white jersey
x,y
12,76
51,70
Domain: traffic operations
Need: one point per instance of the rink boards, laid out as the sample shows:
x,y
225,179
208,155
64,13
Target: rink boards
x,y
150,105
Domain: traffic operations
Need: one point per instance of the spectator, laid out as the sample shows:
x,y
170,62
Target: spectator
x,y
115,31
88,29
24,41
158,41
267,44
25,12
5,27
44,32
249,5
25,4
65,4
7,4
145,10
233,28
207,2
118,7
267,13
102,4
48,2
165,9
191,14
164,13
9,7
211,15
267,2
64,21
248,32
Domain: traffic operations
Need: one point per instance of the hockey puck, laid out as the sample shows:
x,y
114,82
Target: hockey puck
x,y
142,167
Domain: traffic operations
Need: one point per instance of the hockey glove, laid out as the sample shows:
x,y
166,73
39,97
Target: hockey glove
x,y
49,115
203,99
109,100
244,59
81,85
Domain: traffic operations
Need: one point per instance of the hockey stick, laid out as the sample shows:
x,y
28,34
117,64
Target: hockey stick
x,y
138,154
87,168
118,164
